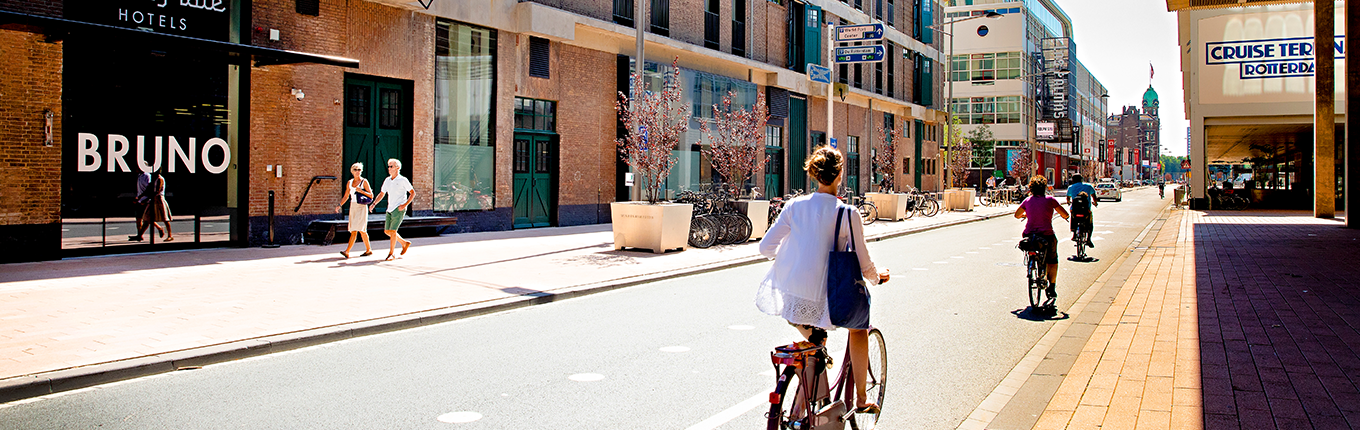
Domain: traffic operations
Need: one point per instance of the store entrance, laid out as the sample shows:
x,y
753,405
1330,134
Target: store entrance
x,y
134,119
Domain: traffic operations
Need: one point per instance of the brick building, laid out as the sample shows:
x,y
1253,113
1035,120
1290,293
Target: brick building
x,y
501,111
1133,147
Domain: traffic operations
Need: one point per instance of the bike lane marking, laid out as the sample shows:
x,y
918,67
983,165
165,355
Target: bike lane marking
x,y
713,422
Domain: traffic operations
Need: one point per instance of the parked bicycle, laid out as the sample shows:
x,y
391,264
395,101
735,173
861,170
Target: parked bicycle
x,y
868,211
715,220
803,399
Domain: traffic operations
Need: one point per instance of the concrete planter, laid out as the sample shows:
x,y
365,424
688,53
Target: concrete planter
x,y
891,207
759,213
658,227
959,199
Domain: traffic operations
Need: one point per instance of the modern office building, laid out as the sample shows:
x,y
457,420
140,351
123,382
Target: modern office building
x,y
1018,70
1133,145
502,111
1248,70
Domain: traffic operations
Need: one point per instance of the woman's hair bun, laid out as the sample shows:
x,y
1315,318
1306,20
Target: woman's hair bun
x,y
824,165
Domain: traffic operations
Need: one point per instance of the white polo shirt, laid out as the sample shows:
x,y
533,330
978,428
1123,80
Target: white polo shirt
x,y
397,190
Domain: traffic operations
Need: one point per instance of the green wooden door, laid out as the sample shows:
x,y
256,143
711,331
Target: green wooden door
x,y
373,129
533,168
798,143
774,172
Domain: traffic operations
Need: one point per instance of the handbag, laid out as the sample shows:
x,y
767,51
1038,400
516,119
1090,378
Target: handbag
x,y
847,294
362,199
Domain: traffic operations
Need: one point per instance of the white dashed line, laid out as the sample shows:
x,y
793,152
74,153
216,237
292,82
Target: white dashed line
x,y
713,422
586,377
460,417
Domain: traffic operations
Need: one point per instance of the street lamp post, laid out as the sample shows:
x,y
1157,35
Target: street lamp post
x,y
949,99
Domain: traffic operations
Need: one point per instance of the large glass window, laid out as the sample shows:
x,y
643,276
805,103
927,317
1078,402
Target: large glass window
x,y
464,132
986,66
987,110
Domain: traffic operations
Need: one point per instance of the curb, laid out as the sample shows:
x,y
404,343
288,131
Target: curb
x,y
52,382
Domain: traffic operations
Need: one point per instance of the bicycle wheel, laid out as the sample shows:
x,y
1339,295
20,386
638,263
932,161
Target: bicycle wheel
x,y
868,212
875,387
743,227
931,207
702,232
1037,281
787,410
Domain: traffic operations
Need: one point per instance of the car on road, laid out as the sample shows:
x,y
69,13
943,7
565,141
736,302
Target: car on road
x,y
1108,191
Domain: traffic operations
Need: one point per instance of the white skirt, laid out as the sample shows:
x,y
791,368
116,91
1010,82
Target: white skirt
x,y
358,217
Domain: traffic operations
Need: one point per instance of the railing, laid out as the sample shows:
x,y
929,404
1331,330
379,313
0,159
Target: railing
x,y
710,30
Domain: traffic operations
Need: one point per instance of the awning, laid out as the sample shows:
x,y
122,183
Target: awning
x,y
1176,5
58,28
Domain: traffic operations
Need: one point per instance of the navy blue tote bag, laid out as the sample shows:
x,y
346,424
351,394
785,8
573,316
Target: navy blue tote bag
x,y
847,295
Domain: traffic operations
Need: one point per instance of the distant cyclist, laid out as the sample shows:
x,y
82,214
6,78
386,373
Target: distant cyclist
x,y
1082,205
1161,189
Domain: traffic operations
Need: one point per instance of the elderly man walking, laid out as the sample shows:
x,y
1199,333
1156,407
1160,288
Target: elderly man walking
x,y
399,193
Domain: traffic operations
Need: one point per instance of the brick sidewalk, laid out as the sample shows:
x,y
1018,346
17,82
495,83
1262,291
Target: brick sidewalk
x,y
82,314
1232,320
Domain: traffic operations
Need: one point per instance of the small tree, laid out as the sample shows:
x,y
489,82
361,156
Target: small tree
x,y
1023,165
984,146
736,141
655,122
960,155
885,157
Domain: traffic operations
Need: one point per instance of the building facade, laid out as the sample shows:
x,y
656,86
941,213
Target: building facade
x,y
502,112
1133,146
1250,97
1016,71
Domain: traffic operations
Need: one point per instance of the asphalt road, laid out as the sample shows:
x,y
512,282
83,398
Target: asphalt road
x,y
686,353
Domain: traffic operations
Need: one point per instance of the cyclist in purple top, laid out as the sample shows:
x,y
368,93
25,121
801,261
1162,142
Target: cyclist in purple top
x,y
1039,208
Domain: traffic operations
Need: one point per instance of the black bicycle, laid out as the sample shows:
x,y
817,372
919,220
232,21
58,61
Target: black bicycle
x,y
1035,247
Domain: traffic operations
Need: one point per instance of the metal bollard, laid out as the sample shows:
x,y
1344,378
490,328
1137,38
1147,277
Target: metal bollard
x,y
271,243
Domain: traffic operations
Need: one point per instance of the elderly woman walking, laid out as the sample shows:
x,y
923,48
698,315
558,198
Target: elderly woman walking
x,y
359,194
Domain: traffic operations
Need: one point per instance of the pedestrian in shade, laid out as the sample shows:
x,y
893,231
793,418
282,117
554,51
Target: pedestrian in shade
x,y
357,190
158,210
399,193
143,199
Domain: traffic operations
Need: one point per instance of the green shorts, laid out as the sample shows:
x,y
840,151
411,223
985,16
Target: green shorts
x,y
394,218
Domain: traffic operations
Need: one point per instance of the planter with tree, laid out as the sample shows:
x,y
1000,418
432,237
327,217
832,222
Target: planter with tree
x,y
891,205
737,150
655,121
959,196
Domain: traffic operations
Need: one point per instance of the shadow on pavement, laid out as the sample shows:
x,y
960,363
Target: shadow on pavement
x,y
1279,314
1039,315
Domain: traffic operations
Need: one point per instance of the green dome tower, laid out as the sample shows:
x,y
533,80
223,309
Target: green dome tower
x,y
1150,102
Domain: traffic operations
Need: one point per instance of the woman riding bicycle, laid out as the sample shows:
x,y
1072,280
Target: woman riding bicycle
x,y
795,287
1039,208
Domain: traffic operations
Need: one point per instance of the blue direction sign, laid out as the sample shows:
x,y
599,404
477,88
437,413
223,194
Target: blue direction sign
x,y
819,73
861,54
859,33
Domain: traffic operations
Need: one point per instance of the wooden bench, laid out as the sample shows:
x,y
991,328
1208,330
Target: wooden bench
x,y
322,232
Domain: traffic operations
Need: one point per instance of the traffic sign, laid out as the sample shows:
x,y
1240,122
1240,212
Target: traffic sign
x,y
833,143
859,33
861,54
819,73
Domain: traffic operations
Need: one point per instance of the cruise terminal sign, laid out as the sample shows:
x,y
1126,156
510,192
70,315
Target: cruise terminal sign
x,y
1259,54
1270,58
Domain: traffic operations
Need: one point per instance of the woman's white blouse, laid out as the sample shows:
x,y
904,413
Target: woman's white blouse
x,y
800,243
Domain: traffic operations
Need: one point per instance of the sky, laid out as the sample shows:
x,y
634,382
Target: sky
x,y
1116,40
